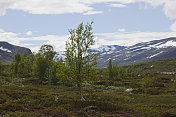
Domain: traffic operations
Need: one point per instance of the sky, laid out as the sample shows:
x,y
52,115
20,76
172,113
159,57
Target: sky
x,y
32,23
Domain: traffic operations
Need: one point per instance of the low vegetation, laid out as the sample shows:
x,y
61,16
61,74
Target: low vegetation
x,y
23,97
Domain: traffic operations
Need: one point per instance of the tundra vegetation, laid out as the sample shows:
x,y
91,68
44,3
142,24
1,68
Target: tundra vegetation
x,y
37,85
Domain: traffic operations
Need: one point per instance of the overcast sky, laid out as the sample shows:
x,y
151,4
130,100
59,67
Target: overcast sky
x,y
32,23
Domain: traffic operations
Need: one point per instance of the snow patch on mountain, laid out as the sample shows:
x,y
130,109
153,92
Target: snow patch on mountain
x,y
167,44
155,54
5,49
107,48
149,46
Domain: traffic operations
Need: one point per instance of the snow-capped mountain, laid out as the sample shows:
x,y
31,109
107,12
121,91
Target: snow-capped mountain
x,y
141,52
107,48
7,51
102,49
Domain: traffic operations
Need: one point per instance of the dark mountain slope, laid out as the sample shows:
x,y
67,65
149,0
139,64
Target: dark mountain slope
x,y
7,51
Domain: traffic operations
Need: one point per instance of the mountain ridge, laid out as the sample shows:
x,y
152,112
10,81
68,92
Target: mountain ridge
x,y
101,49
141,52
7,51
138,53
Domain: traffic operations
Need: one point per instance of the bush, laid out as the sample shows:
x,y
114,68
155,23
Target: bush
x,y
150,82
153,91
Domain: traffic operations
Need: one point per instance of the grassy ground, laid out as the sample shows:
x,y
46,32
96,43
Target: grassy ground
x,y
21,99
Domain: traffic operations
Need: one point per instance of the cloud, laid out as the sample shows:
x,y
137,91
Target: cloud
x,y
4,4
29,33
93,12
173,27
117,5
128,39
34,43
55,6
68,6
85,7
170,9
58,42
121,30
45,6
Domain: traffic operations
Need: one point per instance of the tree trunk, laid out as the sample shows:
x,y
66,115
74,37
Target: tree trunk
x,y
80,91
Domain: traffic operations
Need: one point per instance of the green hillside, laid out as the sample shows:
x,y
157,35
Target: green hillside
x,y
164,65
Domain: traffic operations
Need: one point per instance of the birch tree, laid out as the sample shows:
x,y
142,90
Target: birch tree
x,y
79,59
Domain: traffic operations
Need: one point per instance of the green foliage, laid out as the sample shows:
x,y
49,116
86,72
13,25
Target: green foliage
x,y
149,82
44,67
115,72
77,51
119,72
2,68
51,73
15,63
47,51
40,66
110,69
153,85
79,62
25,65
63,73
22,65
17,58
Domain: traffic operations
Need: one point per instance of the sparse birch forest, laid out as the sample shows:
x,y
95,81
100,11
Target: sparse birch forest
x,y
36,85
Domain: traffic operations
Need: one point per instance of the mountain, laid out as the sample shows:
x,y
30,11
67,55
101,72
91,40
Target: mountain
x,y
141,52
102,49
107,48
7,51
